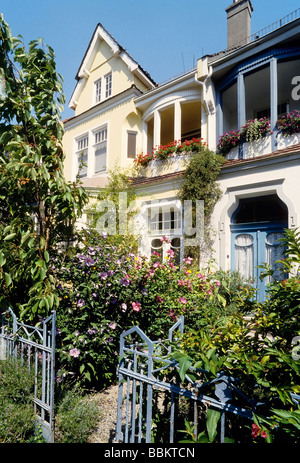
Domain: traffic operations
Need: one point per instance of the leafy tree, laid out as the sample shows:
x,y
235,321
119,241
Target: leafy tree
x,y
38,208
200,183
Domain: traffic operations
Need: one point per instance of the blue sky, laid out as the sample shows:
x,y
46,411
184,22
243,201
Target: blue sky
x,y
165,36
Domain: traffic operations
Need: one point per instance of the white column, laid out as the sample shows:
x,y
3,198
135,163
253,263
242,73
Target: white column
x,y
219,116
241,100
177,120
145,137
273,99
157,129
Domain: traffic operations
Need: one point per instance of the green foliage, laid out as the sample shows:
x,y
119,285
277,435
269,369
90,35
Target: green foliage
x,y
258,351
103,291
200,180
37,206
76,418
17,420
200,183
208,435
280,312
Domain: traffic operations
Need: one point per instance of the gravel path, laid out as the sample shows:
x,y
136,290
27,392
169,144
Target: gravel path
x,y
107,401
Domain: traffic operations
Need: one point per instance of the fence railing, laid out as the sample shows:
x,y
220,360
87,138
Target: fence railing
x,y
34,347
149,384
276,25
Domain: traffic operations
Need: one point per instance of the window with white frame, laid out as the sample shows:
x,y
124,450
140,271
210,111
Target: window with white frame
x,y
98,91
108,85
165,230
100,149
82,155
103,88
165,220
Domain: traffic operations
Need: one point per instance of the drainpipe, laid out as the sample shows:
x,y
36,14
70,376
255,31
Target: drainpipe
x,y
203,85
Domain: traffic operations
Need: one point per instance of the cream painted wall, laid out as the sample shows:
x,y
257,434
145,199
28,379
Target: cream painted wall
x,y
117,112
120,118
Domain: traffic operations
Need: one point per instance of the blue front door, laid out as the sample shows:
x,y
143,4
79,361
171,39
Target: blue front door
x,y
255,244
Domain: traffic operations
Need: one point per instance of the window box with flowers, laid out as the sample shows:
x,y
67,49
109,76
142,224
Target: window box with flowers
x,y
228,141
252,130
289,124
172,149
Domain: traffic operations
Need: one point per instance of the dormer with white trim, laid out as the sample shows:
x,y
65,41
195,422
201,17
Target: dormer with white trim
x,y
106,71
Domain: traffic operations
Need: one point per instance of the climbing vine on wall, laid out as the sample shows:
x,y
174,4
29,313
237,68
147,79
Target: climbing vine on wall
x,y
200,183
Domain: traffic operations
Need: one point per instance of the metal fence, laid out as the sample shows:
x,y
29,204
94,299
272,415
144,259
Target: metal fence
x,y
149,386
34,347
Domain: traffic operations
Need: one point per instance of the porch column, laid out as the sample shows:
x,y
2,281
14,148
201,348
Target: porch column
x,y
274,99
145,137
219,116
241,100
157,129
177,120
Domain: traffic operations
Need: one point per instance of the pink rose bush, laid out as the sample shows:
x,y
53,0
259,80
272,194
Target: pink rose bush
x,y
103,292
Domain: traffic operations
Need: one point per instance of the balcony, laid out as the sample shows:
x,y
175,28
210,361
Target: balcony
x,y
169,158
256,138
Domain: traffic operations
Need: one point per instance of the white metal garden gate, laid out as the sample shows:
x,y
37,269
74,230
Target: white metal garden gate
x,y
141,362
34,347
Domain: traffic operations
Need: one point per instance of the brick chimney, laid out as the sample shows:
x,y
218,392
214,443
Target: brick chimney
x,y
239,23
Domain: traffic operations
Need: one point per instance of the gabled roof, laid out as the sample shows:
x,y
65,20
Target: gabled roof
x,y
83,72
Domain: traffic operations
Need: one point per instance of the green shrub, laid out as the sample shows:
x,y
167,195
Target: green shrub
x,y
261,352
17,420
77,416
104,292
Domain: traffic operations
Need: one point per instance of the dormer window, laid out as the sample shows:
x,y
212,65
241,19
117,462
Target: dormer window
x,y
103,88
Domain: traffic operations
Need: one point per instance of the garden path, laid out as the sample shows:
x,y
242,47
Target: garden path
x,y
107,401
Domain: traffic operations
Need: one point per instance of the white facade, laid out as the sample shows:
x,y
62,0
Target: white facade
x,y
259,179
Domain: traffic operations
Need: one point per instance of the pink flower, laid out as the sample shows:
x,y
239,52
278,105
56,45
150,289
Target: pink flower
x,y
165,239
74,352
136,306
188,260
264,434
183,300
171,252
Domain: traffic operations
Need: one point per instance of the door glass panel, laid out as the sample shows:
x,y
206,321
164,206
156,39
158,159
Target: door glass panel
x,y
274,252
244,255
